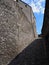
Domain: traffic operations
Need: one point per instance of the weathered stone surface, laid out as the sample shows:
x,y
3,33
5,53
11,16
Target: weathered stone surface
x,y
16,32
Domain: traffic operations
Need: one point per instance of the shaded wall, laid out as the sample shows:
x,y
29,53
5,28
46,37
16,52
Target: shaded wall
x,y
45,28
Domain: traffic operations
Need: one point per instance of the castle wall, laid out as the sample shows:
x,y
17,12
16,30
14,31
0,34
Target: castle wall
x,y
16,31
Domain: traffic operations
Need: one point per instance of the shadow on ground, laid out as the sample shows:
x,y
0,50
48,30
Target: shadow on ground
x,y
34,54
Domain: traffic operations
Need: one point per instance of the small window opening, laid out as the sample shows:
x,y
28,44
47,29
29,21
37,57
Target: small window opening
x,y
17,0
26,5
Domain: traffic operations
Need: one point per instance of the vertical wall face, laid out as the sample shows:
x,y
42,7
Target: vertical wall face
x,y
16,32
45,28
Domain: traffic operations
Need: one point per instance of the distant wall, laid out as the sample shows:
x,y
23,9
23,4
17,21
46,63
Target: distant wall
x,y
16,31
45,28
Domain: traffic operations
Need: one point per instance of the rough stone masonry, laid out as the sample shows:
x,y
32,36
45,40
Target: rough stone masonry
x,y
16,30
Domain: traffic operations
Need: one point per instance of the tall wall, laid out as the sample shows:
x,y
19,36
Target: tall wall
x,y
16,31
45,29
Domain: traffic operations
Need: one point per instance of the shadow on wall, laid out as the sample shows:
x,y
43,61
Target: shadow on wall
x,y
34,54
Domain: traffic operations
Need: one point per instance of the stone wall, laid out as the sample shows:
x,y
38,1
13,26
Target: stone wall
x,y
45,28
16,31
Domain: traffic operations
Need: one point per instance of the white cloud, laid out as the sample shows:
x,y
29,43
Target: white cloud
x,y
37,5
34,7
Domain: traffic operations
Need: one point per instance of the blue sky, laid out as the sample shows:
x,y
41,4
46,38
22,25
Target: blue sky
x,y
38,7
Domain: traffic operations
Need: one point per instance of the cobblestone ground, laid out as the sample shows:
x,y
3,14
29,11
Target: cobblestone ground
x,y
34,54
